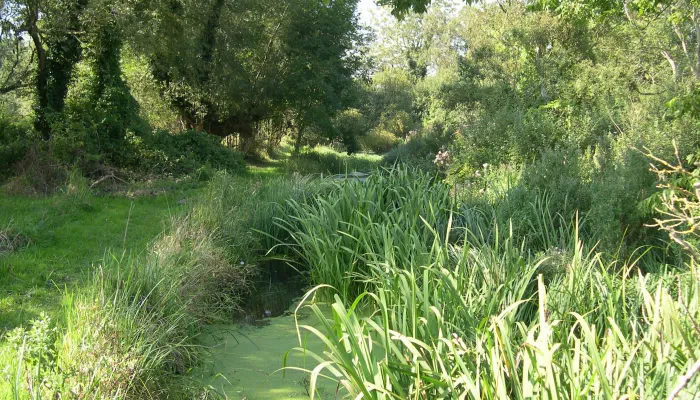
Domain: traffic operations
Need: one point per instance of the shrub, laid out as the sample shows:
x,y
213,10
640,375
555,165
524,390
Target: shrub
x,y
39,172
417,152
14,144
349,125
560,173
183,153
379,141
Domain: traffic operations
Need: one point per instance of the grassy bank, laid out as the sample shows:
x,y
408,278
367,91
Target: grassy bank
x,y
53,242
53,259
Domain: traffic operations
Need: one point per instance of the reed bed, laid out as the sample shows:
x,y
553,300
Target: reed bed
x,y
430,303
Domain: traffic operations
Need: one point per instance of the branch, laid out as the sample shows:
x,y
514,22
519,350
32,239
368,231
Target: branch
x,y
14,86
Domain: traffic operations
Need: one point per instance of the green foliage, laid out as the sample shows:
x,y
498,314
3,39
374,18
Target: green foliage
x,y
214,66
533,89
448,308
14,143
350,125
419,150
425,317
379,141
335,233
183,153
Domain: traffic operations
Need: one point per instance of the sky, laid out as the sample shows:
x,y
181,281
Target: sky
x,y
365,9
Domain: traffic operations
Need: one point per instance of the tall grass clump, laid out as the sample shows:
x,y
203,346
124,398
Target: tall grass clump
x,y
339,233
445,312
470,325
129,335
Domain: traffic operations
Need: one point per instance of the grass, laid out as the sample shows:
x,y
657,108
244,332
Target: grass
x,y
498,312
65,236
128,324
327,161
322,160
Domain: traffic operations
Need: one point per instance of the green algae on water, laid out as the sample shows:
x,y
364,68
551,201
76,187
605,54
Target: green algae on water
x,y
246,362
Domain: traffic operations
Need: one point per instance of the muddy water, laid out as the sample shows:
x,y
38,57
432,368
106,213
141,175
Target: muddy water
x,y
245,361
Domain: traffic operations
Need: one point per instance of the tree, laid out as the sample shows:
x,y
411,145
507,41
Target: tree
x,y
53,27
228,66
670,28
319,65
16,55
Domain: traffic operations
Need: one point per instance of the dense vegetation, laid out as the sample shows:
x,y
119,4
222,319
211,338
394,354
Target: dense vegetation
x,y
531,232
132,84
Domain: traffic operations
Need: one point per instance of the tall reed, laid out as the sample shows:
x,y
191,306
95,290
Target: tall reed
x,y
336,235
431,310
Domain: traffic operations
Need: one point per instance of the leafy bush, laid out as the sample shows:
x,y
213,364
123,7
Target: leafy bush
x,y
350,125
417,152
14,143
379,141
183,153
560,173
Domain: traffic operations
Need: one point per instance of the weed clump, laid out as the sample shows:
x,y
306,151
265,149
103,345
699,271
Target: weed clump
x,y
11,241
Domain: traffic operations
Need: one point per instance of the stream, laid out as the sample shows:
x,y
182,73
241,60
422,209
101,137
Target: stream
x,y
246,359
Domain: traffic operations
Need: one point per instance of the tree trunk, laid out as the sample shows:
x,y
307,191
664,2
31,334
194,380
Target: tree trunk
x,y
57,56
208,42
41,124
297,143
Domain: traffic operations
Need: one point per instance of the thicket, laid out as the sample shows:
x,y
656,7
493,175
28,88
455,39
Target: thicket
x,y
567,100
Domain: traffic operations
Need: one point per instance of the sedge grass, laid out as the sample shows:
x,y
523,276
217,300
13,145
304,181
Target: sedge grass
x,y
451,313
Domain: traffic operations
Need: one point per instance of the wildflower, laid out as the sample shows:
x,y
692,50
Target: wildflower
x,y
442,159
